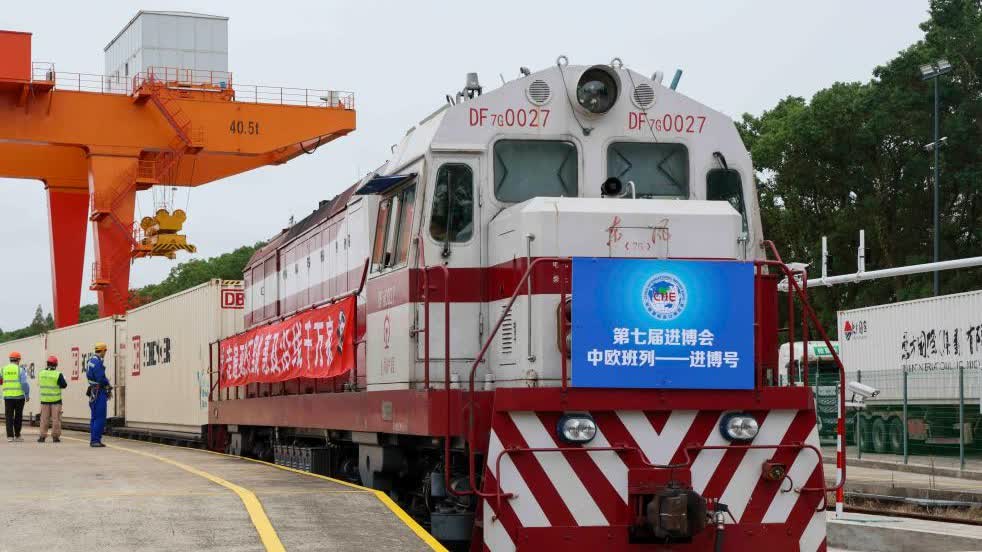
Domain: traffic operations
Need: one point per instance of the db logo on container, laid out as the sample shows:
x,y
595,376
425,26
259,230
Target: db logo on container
x,y
233,299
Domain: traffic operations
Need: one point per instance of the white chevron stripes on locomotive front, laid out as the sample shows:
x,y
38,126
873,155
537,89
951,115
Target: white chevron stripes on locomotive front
x,y
573,488
744,479
814,534
799,472
610,463
705,464
567,483
524,504
658,447
496,538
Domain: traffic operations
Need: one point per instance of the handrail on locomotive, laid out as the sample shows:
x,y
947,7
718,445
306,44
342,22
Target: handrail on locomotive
x,y
799,290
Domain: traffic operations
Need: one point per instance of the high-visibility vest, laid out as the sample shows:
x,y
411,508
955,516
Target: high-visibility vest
x,y
11,382
48,381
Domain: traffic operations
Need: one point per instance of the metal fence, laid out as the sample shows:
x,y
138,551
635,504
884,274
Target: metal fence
x,y
216,81
929,415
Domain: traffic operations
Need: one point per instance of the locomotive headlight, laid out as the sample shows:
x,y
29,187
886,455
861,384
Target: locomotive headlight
x,y
597,89
576,428
739,427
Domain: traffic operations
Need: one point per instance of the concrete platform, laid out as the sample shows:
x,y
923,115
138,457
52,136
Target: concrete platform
x,y
140,496
894,482
949,466
861,532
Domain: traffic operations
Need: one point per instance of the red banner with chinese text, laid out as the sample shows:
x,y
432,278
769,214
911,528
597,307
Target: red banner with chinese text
x,y
317,343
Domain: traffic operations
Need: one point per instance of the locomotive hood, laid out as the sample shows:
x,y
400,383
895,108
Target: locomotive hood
x,y
589,227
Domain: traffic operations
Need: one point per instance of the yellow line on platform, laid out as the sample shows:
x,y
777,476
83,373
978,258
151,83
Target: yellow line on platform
x,y
401,514
268,536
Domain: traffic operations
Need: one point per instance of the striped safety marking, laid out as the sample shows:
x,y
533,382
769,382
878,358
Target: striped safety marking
x,y
577,489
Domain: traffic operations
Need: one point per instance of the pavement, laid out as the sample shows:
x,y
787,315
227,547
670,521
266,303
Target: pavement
x,y
892,534
134,495
891,479
948,465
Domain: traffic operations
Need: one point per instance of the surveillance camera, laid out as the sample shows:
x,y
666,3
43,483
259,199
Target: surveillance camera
x,y
863,389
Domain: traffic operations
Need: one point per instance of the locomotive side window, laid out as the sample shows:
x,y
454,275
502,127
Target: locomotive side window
x,y
657,170
381,226
393,229
453,204
524,169
407,199
726,185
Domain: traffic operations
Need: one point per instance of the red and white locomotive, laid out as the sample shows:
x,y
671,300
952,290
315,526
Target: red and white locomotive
x,y
450,378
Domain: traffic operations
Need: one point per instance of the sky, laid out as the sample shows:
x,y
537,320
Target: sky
x,y
401,58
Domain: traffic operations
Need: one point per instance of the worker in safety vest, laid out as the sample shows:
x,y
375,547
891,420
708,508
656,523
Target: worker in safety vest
x,y
51,381
16,392
98,392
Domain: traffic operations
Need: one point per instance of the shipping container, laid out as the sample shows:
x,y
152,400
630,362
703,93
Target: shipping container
x,y
73,346
176,40
167,355
928,336
33,359
926,354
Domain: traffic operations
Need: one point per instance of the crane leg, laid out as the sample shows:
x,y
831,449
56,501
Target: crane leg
x,y
68,209
112,184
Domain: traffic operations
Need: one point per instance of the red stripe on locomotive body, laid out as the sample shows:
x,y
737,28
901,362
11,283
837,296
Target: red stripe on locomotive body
x,y
658,419
706,422
724,470
466,285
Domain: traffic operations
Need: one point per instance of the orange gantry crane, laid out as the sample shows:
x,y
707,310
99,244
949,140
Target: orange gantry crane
x,y
94,141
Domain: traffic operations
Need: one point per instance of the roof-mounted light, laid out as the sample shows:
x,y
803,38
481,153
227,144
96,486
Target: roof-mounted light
x,y
597,89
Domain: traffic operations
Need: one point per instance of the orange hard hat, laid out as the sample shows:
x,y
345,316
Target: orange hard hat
x,y
14,355
100,346
52,360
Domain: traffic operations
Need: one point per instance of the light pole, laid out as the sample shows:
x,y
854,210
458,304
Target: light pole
x,y
932,71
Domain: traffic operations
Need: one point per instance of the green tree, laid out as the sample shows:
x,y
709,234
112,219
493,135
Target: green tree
x,y
228,266
38,324
852,158
88,313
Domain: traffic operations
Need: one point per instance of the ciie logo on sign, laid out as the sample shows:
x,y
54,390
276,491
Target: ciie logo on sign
x,y
664,296
855,329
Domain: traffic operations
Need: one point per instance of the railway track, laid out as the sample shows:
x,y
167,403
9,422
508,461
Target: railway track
x,y
920,509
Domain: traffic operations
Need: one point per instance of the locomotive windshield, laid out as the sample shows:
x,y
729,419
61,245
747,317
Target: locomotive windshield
x,y
725,185
524,169
657,170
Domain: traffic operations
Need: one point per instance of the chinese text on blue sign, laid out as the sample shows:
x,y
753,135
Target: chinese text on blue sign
x,y
645,323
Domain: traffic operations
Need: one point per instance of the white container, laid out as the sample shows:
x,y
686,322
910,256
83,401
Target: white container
x,y
73,346
33,359
167,355
180,40
918,337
